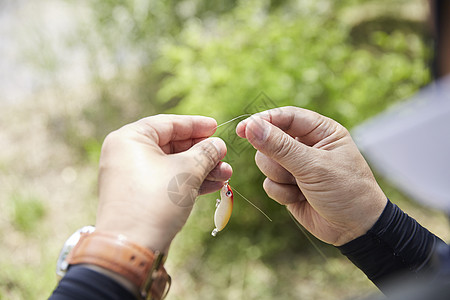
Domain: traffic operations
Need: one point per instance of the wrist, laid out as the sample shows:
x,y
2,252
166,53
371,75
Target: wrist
x,y
151,239
136,268
364,224
148,230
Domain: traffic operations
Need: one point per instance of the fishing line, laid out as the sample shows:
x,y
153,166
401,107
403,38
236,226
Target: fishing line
x,y
299,226
241,116
293,219
259,209
307,235
234,189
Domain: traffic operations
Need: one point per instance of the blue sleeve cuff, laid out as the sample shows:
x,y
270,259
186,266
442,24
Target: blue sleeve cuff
x,y
83,283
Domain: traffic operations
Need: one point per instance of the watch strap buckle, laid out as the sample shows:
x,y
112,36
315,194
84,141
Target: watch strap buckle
x,y
158,282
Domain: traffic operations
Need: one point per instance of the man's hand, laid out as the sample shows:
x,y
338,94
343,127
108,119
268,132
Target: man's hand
x,y
152,170
315,169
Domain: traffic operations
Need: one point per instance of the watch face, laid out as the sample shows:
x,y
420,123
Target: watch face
x,y
61,264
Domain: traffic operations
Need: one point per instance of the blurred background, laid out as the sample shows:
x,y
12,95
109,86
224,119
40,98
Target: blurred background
x,y
73,70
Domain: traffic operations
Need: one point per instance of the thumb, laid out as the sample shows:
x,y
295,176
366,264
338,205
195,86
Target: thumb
x,y
278,145
205,156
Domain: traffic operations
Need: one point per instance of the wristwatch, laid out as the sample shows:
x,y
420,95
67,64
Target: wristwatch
x,y
116,253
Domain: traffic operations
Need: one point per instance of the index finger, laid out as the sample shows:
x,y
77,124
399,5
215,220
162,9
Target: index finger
x,y
307,126
164,129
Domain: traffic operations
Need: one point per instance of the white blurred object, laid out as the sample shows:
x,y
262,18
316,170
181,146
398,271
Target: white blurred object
x,y
410,145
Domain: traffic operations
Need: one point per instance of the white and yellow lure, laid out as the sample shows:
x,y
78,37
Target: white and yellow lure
x,y
224,208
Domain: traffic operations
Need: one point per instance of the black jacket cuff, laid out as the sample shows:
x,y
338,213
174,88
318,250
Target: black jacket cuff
x,y
397,245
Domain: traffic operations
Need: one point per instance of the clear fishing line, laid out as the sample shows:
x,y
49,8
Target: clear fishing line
x,y
259,209
238,117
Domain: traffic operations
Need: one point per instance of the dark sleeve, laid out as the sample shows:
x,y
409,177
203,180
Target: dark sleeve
x,y
83,283
395,246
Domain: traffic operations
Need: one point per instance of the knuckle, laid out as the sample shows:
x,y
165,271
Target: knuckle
x,y
210,153
115,143
284,147
111,139
110,146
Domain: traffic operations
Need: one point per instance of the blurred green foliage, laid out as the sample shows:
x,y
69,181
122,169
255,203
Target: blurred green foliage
x,y
212,59
228,58
21,282
28,211
225,60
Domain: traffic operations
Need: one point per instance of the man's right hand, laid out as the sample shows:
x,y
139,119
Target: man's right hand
x,y
315,169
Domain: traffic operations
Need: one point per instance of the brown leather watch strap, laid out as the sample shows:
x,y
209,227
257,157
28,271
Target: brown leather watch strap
x,y
115,253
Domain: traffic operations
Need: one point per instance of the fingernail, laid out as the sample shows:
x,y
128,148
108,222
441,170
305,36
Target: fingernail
x,y
214,142
259,129
226,165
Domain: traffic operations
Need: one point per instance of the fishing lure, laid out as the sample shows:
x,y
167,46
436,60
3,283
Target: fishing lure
x,y
224,205
224,208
